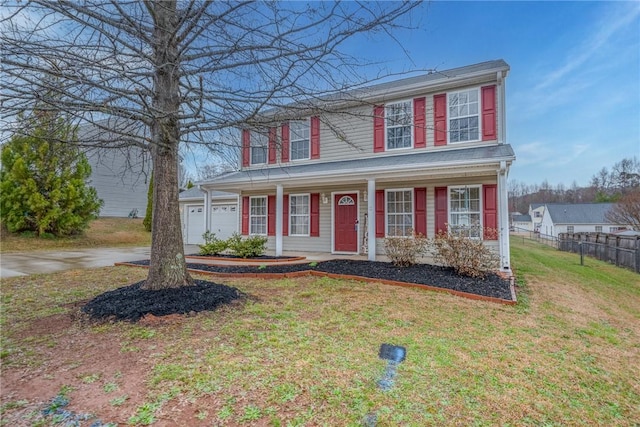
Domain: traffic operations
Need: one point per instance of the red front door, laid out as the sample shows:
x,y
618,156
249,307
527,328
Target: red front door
x,y
345,220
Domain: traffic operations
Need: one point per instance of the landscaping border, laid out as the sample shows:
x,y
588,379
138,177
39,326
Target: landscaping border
x,y
248,260
303,273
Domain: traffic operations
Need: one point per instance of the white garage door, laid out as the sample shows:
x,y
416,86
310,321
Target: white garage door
x,y
195,224
224,222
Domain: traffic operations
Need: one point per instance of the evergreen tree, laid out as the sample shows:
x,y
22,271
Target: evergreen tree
x,y
148,215
43,179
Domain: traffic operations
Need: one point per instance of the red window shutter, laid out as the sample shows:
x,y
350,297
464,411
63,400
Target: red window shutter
x,y
285,215
420,208
246,150
378,128
441,209
272,145
315,215
419,123
380,213
488,112
285,143
490,211
271,215
440,119
315,137
245,215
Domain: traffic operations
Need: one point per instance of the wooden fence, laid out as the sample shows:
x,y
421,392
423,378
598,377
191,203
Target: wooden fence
x,y
623,251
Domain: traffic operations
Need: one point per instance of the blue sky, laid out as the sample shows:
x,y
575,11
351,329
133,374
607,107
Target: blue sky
x,y
573,92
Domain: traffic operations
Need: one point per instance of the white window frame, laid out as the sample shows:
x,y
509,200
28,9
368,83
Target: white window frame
x,y
570,229
292,140
301,215
387,126
252,216
387,212
450,117
598,229
479,212
258,141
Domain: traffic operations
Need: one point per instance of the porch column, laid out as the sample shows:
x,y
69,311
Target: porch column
x,y
371,216
503,218
279,206
207,210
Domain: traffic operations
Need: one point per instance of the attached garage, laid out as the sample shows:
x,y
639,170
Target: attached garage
x,y
224,215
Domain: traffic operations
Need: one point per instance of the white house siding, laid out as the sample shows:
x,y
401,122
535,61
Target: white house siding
x,y
121,180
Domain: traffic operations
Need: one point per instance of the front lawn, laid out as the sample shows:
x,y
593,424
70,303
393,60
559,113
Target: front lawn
x,y
304,352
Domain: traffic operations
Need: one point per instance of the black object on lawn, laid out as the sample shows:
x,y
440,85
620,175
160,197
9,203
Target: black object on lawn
x,y
394,355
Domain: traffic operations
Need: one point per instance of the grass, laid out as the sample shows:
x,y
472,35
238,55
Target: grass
x,y
304,351
102,232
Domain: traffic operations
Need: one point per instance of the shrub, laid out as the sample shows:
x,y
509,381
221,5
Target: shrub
x,y
404,251
249,247
212,245
468,256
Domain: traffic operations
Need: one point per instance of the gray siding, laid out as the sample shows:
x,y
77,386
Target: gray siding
x,y
349,134
323,243
121,179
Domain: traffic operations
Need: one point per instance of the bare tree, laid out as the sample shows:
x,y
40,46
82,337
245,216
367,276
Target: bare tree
x,y
182,71
626,211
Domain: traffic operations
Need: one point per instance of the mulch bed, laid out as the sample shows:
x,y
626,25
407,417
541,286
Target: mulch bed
x,y
492,286
132,303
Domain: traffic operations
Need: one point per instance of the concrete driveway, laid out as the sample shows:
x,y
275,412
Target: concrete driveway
x,y
37,262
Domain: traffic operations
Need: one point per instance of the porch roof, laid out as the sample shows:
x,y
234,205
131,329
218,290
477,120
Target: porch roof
x,y
482,160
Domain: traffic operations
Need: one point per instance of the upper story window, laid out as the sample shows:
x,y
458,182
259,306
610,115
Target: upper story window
x,y
299,139
598,229
464,115
299,214
258,216
465,211
259,143
569,228
399,212
399,118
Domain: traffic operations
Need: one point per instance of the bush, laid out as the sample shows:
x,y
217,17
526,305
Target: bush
x,y
404,251
212,245
468,256
249,247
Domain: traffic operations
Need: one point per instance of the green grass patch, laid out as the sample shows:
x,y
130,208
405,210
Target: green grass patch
x,y
304,351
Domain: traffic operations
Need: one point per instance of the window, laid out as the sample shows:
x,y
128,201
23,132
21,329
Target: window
x,y
464,116
299,139
399,118
258,148
465,211
399,212
537,214
598,229
299,215
258,215
569,228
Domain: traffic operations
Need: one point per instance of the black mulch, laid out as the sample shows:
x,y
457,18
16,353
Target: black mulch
x,y
132,303
422,274
257,258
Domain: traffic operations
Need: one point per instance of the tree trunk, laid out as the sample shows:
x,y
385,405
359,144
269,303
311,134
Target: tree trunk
x,y
167,265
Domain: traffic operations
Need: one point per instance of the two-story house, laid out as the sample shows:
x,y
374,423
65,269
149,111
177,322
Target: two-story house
x,y
421,154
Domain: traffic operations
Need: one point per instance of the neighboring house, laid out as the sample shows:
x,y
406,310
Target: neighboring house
x,y
521,223
121,180
536,212
119,175
223,211
577,218
425,153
